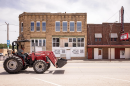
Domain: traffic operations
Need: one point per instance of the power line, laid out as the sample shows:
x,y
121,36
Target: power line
x,y
111,16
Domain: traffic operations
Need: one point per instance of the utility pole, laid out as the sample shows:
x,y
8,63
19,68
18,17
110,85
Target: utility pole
x,y
8,42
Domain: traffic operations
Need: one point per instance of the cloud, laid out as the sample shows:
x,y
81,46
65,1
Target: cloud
x,y
98,11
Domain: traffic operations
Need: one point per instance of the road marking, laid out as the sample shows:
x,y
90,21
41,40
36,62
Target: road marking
x,y
116,79
46,81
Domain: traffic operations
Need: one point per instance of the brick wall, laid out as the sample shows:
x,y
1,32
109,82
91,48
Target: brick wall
x,y
50,19
105,30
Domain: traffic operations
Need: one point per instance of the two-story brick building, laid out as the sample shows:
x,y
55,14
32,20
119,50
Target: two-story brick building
x,y
63,33
104,40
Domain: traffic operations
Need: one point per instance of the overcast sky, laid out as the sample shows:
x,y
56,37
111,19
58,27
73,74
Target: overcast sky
x,y
98,11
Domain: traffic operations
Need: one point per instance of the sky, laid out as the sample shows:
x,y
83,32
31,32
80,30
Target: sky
x,y
98,11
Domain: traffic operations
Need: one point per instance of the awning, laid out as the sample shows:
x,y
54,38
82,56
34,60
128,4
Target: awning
x,y
113,35
98,35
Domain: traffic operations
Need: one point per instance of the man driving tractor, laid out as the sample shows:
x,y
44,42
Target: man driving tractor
x,y
21,53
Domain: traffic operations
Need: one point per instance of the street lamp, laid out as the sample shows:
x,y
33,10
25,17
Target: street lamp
x,y
110,37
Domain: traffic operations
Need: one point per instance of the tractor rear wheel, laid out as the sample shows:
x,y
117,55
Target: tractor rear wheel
x,y
39,66
13,64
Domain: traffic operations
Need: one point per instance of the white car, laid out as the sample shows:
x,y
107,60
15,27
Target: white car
x,y
1,54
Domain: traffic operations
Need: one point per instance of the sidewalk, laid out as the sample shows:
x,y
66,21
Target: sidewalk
x,y
100,61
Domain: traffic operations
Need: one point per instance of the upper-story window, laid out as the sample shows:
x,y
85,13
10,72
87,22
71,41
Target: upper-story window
x,y
43,26
79,26
64,26
38,26
57,26
22,27
113,36
32,26
72,26
98,37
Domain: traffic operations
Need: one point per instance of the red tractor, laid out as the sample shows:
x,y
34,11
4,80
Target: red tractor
x,y
40,61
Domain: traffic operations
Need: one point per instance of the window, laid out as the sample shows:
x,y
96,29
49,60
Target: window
x,y
43,26
32,42
72,26
95,39
38,26
57,28
66,44
74,42
63,51
127,39
22,27
79,26
44,42
113,39
40,42
32,26
36,42
70,39
55,42
65,26
80,42
98,39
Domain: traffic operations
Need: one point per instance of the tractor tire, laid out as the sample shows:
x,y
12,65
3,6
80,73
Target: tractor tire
x,y
13,64
24,67
48,65
39,66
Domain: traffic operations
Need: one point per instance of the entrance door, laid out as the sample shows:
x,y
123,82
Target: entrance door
x,y
122,54
68,52
99,53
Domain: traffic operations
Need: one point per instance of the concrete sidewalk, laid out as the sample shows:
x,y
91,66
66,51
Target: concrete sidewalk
x,y
99,61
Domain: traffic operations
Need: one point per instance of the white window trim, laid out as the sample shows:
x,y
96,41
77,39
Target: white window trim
x,y
74,26
21,26
55,26
34,26
62,26
45,43
42,26
52,41
81,26
74,42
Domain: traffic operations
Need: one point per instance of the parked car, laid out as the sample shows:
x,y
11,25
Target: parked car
x,y
1,54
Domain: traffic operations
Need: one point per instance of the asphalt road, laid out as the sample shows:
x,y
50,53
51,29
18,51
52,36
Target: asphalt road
x,y
72,74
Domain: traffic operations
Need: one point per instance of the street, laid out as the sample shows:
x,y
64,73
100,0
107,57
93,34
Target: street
x,y
72,74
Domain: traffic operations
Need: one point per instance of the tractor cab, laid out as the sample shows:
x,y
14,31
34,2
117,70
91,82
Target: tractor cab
x,y
17,44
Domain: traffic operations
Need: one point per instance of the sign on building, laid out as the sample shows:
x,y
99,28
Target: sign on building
x,y
124,36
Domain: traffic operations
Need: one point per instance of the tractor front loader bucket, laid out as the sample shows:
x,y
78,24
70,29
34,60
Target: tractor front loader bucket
x,y
61,62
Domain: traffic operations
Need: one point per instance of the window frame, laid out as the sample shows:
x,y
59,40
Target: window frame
x,y
55,42
42,42
77,26
31,26
36,26
80,41
62,26
42,26
74,26
21,27
55,26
